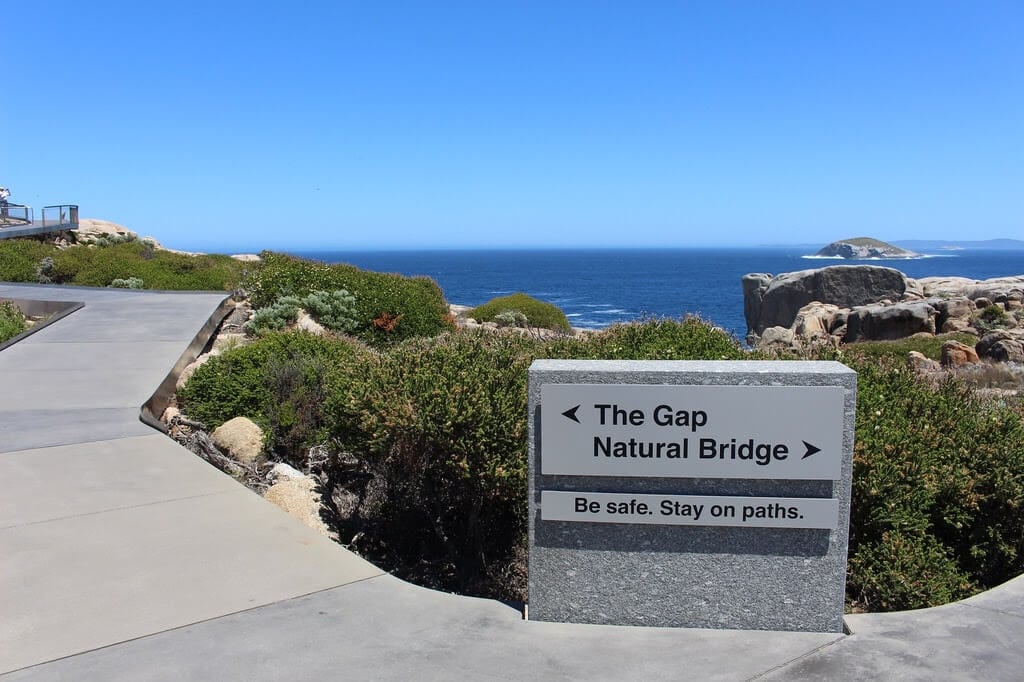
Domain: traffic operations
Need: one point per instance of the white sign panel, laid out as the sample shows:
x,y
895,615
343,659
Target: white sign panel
x,y
669,431
689,510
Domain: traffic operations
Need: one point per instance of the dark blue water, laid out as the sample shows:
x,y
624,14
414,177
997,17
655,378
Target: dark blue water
x,y
596,288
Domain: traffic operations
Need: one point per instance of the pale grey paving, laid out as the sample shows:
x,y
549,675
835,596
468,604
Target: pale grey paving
x,y
384,629
124,557
110,531
19,429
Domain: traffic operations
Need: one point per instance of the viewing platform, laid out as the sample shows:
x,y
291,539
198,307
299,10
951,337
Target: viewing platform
x,y
17,220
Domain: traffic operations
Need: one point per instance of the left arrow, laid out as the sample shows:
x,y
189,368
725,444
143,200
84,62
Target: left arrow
x,y
571,414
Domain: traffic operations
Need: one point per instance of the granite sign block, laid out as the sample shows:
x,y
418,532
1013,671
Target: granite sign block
x,y
689,493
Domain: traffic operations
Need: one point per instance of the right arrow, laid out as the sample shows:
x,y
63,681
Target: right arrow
x,y
811,449
571,414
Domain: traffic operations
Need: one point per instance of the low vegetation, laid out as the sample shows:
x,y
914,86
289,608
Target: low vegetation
x,y
929,346
937,490
12,322
521,310
387,308
281,382
428,471
121,262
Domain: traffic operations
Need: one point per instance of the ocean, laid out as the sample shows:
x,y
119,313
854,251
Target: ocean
x,y
598,287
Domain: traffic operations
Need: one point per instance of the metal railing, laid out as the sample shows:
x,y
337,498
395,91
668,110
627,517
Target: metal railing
x,y
64,216
15,214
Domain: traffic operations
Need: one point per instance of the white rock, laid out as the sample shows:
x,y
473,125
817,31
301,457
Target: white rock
x,y
306,323
282,471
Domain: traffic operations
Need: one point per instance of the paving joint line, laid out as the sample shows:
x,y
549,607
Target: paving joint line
x,y
89,442
992,610
115,509
776,668
194,623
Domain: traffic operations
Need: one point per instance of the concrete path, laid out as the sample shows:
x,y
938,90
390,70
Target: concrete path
x,y
125,557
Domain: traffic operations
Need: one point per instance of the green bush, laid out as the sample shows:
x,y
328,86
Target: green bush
x,y
538,313
904,569
19,259
12,322
991,318
441,426
279,381
28,260
99,267
655,339
938,481
388,308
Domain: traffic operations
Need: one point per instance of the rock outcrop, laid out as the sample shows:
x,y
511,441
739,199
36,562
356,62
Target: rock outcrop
x,y
775,301
849,303
91,230
1002,346
887,322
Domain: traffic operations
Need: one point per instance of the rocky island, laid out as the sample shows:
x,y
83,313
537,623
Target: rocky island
x,y
863,248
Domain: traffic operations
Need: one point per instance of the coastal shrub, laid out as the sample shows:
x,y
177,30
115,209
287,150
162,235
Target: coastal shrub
x,y
655,339
274,317
405,307
537,313
992,317
130,283
44,270
938,489
333,309
279,381
438,429
511,318
160,270
20,258
440,425
929,346
12,322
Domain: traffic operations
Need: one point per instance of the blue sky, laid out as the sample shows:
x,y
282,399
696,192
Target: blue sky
x,y
335,125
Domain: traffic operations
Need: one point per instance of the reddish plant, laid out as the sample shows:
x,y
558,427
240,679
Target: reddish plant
x,y
386,321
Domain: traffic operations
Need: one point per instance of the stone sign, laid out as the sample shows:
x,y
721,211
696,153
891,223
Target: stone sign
x,y
694,494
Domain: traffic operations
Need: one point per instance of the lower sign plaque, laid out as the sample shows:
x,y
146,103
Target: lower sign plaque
x,y
690,510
